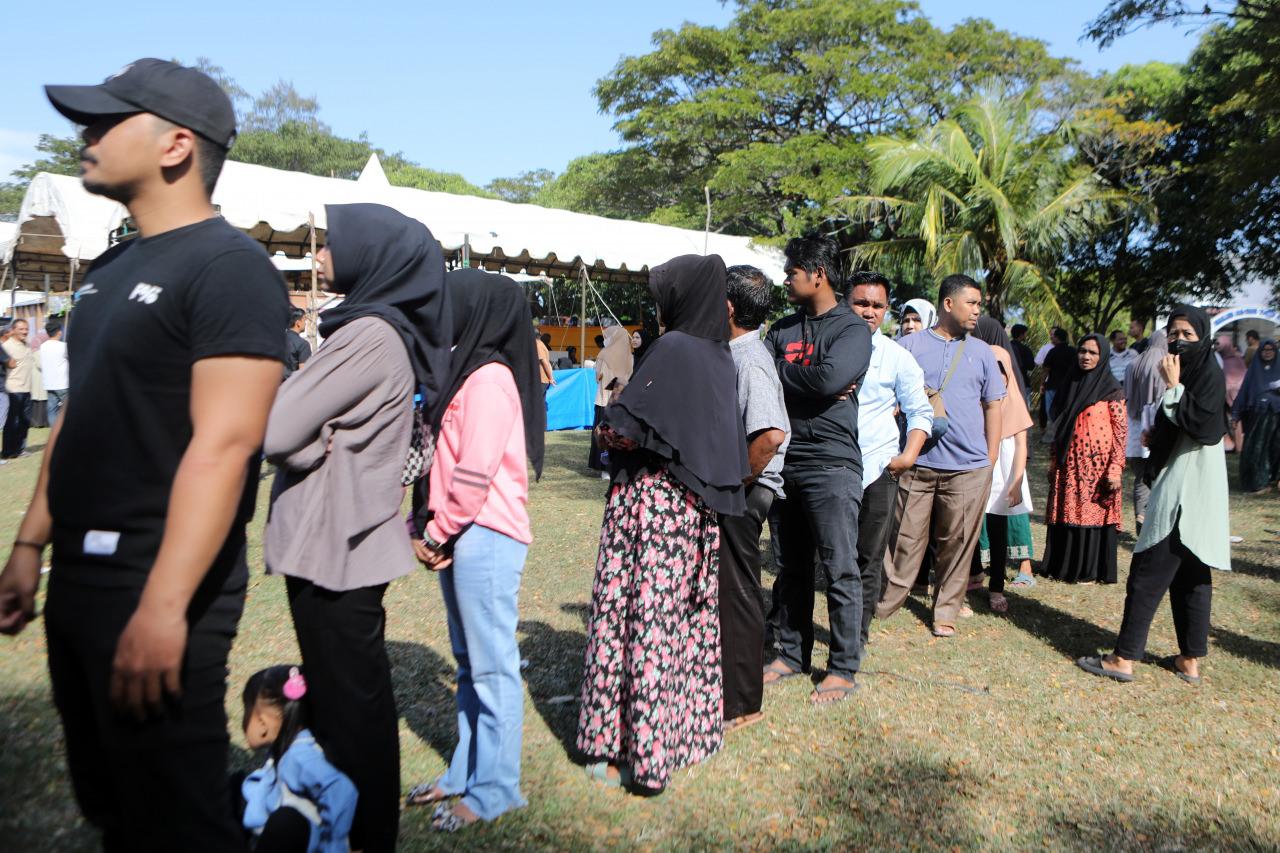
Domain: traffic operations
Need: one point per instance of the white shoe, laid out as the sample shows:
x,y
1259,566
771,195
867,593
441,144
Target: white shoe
x,y
604,475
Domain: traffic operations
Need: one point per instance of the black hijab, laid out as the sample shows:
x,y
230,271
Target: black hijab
x,y
1083,389
646,341
1202,412
682,400
391,267
492,323
991,331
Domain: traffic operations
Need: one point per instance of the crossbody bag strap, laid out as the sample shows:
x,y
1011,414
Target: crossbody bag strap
x,y
954,362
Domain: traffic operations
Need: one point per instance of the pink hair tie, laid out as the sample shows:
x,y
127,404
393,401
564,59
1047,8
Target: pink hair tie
x,y
295,687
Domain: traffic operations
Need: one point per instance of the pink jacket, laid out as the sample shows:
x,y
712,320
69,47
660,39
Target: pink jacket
x,y
480,474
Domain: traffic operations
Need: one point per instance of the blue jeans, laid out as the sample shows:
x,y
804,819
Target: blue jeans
x,y
56,399
480,591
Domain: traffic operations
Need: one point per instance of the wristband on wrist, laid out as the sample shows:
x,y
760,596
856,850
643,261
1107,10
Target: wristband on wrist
x,y
431,543
29,544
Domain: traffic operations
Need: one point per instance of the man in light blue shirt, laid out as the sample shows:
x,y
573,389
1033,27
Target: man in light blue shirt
x,y
893,382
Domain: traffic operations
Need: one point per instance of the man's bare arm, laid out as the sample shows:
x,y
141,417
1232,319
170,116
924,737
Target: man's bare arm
x,y
761,449
230,401
991,423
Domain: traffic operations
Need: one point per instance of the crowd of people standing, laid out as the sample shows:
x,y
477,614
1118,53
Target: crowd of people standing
x,y
880,462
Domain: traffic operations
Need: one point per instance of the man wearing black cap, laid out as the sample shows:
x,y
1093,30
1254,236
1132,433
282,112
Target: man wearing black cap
x,y
149,477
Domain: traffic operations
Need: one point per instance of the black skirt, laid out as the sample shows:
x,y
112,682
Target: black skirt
x,y
593,459
1080,554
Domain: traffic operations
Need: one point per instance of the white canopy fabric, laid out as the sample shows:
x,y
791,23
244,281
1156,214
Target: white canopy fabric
x,y
59,217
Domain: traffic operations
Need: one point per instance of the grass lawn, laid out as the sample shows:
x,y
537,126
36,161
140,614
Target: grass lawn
x,y
990,740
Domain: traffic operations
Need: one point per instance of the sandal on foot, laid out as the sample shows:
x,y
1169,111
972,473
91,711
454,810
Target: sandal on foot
x,y
999,604
426,794
781,670
944,632
1093,665
965,611
839,693
445,819
599,772
1171,663
739,723
975,583
1024,581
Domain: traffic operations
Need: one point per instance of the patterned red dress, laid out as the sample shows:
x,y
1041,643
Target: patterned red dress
x,y
1083,520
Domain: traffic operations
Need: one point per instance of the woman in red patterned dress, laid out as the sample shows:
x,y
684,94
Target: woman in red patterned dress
x,y
1085,470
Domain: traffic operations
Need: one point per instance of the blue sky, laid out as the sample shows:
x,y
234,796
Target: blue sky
x,y
488,89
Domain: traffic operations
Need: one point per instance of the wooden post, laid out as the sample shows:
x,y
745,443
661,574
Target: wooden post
x,y
314,333
71,292
582,317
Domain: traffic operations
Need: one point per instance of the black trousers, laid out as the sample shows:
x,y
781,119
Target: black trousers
x,y
998,545
1167,566
874,521
342,636
160,785
742,607
16,425
820,529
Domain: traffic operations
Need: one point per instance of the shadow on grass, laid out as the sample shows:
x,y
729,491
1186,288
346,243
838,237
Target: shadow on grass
x,y
1264,652
554,675
1069,635
1115,827
423,683
1254,569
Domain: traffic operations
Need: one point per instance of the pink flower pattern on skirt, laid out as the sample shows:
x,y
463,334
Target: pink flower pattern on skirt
x,y
651,689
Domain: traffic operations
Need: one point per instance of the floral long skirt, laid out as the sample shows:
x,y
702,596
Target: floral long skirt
x,y
652,697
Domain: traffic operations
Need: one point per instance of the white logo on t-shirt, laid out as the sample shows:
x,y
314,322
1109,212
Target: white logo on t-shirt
x,y
146,293
87,290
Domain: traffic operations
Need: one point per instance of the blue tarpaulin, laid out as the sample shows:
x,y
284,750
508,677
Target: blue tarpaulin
x,y
571,402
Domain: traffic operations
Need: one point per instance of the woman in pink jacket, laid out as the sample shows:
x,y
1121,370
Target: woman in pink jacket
x,y
474,530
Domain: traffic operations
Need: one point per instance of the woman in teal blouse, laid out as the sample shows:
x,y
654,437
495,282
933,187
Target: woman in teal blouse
x,y
1186,533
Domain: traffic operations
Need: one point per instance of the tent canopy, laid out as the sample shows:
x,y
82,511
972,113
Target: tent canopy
x,y
60,221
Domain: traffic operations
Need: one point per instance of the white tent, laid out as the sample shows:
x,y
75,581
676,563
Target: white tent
x,y
60,221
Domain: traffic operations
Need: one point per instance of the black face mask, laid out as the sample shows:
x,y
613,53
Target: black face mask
x,y
1178,347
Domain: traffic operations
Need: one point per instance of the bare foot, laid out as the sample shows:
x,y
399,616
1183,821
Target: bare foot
x,y
1115,663
1187,666
833,688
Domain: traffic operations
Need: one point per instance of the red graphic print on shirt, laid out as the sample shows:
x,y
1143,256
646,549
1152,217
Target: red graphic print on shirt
x,y
798,352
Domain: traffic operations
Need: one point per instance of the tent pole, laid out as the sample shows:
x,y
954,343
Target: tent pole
x,y
582,318
311,297
706,235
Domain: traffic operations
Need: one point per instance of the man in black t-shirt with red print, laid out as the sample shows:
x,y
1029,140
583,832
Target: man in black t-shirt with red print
x,y
149,477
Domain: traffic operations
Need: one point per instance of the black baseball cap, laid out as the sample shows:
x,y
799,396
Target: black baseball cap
x,y
173,92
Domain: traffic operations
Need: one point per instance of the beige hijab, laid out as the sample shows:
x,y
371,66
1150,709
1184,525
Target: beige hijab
x,y
614,362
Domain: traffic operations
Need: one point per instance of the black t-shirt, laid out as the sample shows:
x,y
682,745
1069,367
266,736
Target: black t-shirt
x,y
147,311
1057,366
298,352
1025,359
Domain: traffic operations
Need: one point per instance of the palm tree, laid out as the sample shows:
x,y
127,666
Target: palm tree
x,y
984,193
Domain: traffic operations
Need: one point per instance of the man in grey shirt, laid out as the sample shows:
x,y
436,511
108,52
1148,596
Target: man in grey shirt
x,y
764,415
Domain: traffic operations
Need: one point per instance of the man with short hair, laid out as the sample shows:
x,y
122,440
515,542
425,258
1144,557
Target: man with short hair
x,y
943,499
1058,365
53,368
1252,340
894,382
1137,331
296,346
822,352
1024,359
1121,356
21,362
764,417
150,478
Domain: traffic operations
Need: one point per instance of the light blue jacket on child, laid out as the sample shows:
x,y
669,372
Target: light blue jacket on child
x,y
307,782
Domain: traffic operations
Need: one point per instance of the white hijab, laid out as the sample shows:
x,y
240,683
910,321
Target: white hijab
x,y
923,307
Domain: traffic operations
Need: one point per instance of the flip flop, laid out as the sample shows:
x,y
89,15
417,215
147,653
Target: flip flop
x,y
999,604
1024,581
780,669
599,772
426,794
740,723
445,819
1093,665
1171,663
945,632
840,693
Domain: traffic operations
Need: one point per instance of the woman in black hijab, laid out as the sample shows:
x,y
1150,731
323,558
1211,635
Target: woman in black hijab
x,y
1186,532
651,689
475,531
339,434
1086,470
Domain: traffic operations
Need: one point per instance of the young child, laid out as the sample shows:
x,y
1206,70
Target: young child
x,y
297,800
